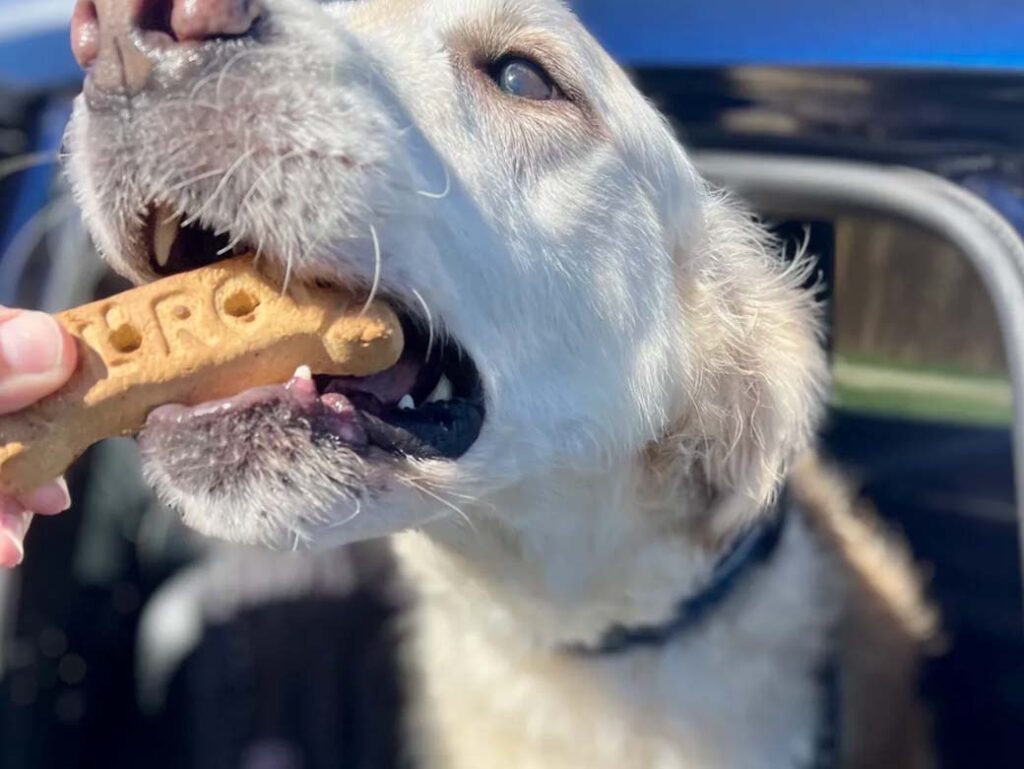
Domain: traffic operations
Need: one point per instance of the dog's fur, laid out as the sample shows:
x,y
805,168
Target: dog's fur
x,y
651,368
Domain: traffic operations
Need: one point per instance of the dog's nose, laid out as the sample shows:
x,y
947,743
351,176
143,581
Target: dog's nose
x,y
112,38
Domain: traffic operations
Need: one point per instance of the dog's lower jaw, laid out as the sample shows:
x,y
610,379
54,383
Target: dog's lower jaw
x,y
495,687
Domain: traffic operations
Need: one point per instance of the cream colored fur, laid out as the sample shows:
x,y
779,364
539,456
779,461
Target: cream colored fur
x,y
651,367
740,691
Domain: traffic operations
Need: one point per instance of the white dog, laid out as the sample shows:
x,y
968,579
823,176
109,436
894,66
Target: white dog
x,y
607,377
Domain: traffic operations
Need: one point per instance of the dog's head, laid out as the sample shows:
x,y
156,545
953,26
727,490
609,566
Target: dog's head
x,y
576,298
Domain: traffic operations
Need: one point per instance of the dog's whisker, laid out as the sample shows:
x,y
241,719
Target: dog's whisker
x,y
189,182
375,285
444,193
192,219
220,77
224,76
430,320
230,246
273,166
244,204
287,273
437,498
345,521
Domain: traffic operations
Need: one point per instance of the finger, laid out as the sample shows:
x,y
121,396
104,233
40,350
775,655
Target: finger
x,y
14,523
50,499
37,356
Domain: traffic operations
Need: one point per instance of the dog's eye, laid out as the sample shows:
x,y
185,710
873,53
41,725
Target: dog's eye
x,y
524,79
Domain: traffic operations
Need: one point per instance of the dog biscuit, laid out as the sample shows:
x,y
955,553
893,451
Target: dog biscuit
x,y
189,338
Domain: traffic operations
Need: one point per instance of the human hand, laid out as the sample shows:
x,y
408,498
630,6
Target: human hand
x,y
37,357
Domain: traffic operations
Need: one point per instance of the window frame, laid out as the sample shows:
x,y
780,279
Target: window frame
x,y
796,187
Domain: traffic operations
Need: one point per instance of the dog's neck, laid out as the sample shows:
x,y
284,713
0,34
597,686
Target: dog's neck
x,y
570,556
569,559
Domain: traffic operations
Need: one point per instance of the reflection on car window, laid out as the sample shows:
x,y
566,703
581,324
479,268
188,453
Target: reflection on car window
x,y
915,333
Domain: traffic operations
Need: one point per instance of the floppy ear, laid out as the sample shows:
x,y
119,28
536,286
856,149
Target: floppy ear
x,y
755,369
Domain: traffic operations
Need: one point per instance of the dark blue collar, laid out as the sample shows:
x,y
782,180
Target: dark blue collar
x,y
752,548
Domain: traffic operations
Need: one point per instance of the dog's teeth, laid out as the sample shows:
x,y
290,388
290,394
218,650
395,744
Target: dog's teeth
x,y
303,372
165,234
443,391
407,403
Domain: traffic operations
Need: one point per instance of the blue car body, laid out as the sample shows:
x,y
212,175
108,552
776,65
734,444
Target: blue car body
x,y
981,34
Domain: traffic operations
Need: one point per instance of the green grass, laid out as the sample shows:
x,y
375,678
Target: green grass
x,y
920,393
883,362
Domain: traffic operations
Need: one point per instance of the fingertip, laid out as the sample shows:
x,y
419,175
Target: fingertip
x,y
12,551
37,357
31,343
50,499
14,523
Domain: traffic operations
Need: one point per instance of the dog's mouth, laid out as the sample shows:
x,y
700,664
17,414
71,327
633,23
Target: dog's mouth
x,y
429,405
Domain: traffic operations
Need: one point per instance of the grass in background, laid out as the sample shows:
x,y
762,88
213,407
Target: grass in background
x,y
912,392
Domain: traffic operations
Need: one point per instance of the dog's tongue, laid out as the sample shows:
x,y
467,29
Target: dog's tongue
x,y
388,386
300,395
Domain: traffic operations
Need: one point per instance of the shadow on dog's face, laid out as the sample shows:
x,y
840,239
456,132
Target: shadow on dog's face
x,y
572,292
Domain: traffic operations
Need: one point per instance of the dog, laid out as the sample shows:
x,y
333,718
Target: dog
x,y
587,457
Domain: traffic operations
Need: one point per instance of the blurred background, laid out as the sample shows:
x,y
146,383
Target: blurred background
x,y
125,638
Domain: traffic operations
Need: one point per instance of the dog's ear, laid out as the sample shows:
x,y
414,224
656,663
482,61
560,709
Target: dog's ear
x,y
755,369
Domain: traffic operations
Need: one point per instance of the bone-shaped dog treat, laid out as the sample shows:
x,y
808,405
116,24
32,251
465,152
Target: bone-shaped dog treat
x,y
189,338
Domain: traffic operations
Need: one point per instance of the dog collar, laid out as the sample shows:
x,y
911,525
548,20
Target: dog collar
x,y
751,549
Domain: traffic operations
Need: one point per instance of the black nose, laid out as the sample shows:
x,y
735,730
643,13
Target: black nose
x,y
105,33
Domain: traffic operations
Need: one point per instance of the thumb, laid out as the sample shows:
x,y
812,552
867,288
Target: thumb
x,y
37,356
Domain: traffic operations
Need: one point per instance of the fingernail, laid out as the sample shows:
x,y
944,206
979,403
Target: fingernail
x,y
31,343
12,552
51,499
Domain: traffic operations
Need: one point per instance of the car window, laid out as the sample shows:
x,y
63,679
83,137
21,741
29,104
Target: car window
x,y
914,333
